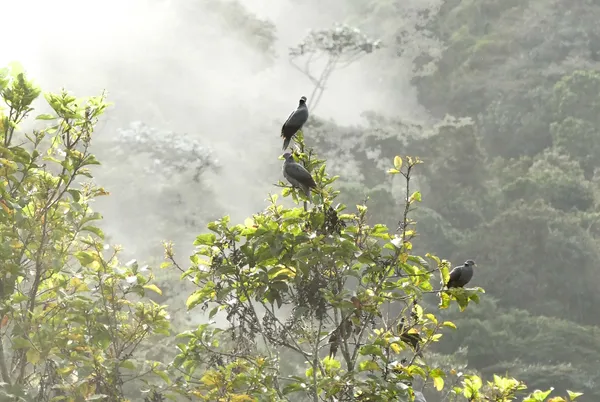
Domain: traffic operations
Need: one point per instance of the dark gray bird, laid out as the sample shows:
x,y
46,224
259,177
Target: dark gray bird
x,y
412,338
461,275
297,175
294,122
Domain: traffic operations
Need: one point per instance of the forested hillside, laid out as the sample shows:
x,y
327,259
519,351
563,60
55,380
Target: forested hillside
x,y
478,139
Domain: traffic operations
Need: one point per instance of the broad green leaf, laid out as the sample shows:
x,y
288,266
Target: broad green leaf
x,y
33,356
368,365
85,258
294,387
207,239
153,288
331,364
163,376
398,162
438,383
19,297
97,231
574,395
416,196
193,300
127,364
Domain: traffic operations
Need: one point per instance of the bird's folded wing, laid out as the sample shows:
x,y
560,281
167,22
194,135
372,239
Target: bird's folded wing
x,y
288,120
298,172
455,274
298,118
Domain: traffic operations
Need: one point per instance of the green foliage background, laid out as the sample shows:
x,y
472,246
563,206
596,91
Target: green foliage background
x,y
509,178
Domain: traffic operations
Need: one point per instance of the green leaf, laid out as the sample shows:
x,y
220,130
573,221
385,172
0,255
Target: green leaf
x,y
368,365
207,239
438,383
574,395
416,196
449,324
33,356
46,117
331,364
294,387
76,194
19,297
85,258
398,162
193,300
213,312
90,160
163,376
20,343
93,229
153,288
370,350
127,364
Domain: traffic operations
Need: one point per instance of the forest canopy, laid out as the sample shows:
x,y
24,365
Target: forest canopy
x,y
318,303
492,105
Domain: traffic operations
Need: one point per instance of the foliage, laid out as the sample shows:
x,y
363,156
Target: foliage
x,y
526,74
503,340
73,317
322,284
171,153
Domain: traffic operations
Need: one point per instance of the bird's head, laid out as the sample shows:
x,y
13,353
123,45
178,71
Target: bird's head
x,y
470,263
303,100
287,156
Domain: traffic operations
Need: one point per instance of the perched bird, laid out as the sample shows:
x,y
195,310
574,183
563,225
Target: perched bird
x,y
297,175
461,275
345,330
294,122
410,337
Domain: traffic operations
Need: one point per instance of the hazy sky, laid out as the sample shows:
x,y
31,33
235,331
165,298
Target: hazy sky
x,y
185,73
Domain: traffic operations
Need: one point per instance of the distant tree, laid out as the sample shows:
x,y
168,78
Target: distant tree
x,y
237,20
338,46
324,289
176,166
496,339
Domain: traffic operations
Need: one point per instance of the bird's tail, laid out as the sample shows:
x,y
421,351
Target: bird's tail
x,y
286,143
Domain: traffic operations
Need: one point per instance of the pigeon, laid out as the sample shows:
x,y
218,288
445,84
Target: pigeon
x,y
461,275
297,175
411,338
294,122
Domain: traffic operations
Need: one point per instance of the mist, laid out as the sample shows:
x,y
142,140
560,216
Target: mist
x,y
177,67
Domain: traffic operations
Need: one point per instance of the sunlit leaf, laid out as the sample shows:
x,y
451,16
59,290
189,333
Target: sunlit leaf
x,y
33,356
153,288
398,162
368,365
